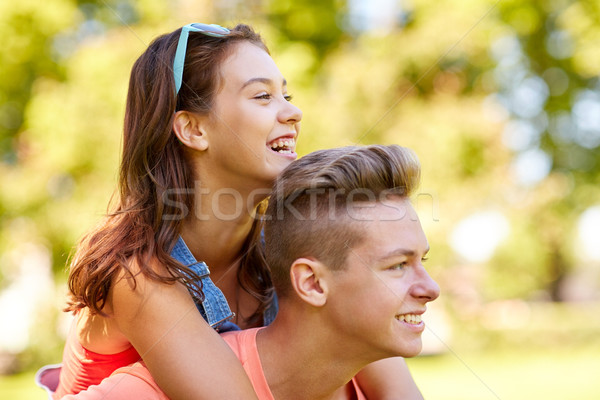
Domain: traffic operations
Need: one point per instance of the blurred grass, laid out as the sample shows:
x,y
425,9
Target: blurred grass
x,y
20,387
533,350
559,373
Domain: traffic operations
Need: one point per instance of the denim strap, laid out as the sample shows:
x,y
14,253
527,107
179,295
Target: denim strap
x,y
214,307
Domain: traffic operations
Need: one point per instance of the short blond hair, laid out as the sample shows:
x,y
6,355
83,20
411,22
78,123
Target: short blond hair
x,y
308,211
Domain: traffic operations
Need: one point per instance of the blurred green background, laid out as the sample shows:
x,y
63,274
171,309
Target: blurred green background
x,y
500,100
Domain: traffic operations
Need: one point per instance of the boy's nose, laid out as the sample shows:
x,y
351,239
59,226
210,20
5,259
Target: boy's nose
x,y
427,289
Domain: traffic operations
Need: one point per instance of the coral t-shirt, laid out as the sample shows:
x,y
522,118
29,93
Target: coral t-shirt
x,y
243,344
135,381
126,383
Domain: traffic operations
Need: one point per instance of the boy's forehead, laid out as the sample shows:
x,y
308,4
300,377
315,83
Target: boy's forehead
x,y
389,229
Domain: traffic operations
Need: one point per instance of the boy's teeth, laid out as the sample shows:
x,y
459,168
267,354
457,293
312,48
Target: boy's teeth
x,y
410,318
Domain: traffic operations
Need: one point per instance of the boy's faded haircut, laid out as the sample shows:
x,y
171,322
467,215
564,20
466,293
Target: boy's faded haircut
x,y
310,211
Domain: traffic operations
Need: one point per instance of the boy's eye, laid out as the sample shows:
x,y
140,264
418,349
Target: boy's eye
x,y
287,97
399,266
424,259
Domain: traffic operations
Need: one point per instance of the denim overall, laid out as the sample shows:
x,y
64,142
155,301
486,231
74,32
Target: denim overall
x,y
214,307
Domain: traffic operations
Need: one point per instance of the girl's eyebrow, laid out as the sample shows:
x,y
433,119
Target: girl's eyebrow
x,y
266,81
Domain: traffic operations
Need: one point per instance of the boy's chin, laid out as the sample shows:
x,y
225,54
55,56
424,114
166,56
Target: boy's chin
x,y
409,351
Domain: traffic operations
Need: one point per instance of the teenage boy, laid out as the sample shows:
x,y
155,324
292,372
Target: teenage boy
x,y
346,249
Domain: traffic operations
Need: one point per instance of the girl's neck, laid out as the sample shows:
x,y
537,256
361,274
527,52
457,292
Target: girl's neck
x,y
216,242
218,226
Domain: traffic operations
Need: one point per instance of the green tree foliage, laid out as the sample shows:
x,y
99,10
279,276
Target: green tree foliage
x,y
28,30
550,51
70,112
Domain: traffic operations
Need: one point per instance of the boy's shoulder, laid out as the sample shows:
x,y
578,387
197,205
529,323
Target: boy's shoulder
x,y
243,343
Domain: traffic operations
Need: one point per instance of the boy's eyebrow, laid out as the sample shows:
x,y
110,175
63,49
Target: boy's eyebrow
x,y
266,81
401,252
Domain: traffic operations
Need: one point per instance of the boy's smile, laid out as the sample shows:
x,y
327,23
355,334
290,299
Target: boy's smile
x,y
412,319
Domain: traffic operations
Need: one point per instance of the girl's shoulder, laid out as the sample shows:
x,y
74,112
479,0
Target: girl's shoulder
x,y
135,283
98,333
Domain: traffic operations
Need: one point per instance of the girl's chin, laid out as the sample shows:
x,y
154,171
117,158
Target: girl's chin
x,y
280,163
284,154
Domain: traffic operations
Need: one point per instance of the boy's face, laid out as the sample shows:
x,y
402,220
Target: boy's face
x,y
377,300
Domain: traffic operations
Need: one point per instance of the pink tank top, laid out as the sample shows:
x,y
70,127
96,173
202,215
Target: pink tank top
x,y
82,368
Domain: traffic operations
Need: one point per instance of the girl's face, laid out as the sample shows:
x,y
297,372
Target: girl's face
x,y
252,127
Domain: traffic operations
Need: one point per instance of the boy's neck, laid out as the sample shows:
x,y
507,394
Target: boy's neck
x,y
301,361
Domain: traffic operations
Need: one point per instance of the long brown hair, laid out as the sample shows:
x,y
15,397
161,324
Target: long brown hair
x,y
155,178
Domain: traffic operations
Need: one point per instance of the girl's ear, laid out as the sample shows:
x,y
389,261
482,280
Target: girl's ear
x,y
188,128
308,281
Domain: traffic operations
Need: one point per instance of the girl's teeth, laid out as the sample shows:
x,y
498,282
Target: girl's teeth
x,y
285,144
410,318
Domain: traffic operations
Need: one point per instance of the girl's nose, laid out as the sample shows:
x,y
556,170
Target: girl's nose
x,y
290,114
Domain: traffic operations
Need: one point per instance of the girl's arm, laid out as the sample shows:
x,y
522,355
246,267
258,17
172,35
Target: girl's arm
x,y
388,379
185,356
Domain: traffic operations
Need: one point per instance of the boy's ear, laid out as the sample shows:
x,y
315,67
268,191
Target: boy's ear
x,y
189,129
308,281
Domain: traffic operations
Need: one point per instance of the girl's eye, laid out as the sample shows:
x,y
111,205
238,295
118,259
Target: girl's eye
x,y
424,259
287,97
264,96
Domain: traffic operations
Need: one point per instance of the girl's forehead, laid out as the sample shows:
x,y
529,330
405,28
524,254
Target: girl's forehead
x,y
247,61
